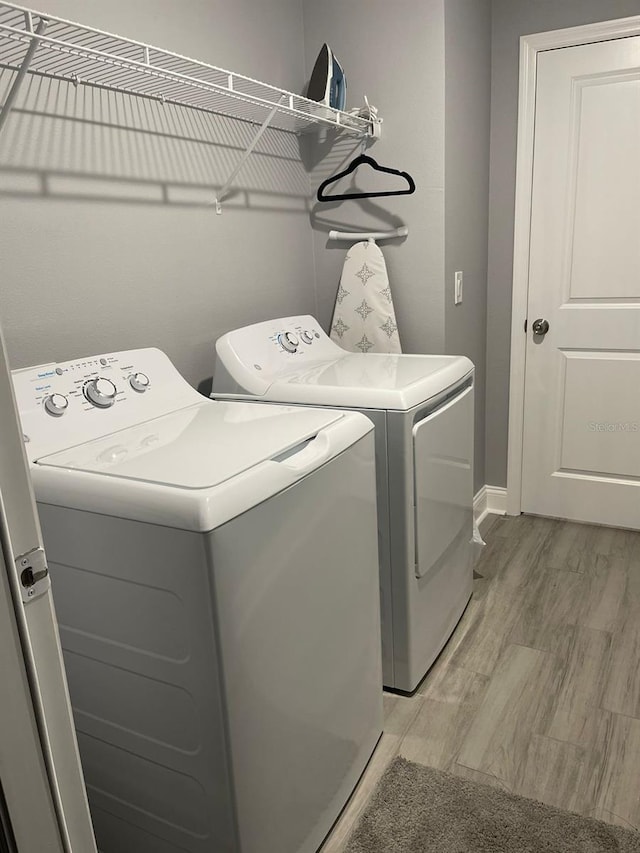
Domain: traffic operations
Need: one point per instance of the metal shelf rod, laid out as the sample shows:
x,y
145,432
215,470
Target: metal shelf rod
x,y
17,83
402,231
225,188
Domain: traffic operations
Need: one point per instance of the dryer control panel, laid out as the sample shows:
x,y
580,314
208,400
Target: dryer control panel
x,y
67,403
265,351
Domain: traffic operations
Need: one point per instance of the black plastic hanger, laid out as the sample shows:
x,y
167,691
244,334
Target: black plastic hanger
x,y
361,160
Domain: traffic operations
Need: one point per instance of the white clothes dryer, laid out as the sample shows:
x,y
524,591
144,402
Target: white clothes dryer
x,y
422,408
215,575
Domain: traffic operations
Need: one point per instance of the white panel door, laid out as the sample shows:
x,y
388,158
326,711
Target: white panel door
x,y
582,385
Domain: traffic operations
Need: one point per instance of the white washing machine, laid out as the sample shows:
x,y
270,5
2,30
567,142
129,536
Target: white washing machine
x,y
422,408
215,574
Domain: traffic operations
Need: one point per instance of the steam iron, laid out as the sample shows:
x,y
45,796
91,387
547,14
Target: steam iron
x,y
328,84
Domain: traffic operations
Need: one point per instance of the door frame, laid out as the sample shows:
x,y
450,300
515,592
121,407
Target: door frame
x,y
530,46
42,780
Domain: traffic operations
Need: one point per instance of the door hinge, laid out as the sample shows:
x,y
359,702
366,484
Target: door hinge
x,y
33,574
526,320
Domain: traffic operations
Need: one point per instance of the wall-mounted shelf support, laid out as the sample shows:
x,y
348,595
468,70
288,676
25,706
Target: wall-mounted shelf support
x,y
224,190
26,62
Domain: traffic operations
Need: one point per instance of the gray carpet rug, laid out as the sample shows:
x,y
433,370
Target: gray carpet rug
x,y
417,809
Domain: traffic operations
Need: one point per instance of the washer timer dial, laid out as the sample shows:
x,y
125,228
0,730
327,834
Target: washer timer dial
x,y
288,341
100,392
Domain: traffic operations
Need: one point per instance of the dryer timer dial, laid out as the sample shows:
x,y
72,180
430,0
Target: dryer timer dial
x,y
288,341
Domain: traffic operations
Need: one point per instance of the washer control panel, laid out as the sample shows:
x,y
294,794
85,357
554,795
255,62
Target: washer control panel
x,y
64,404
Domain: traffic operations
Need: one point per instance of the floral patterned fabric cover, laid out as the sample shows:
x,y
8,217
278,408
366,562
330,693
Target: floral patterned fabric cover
x,y
363,318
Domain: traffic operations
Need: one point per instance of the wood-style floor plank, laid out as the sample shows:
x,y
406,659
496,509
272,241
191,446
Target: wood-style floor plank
x,y
443,719
549,611
622,690
477,776
516,705
400,712
538,690
604,593
483,643
575,709
554,772
612,790
566,546
575,547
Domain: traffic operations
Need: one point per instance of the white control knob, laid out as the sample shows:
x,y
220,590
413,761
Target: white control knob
x,y
288,341
139,382
100,392
306,337
56,404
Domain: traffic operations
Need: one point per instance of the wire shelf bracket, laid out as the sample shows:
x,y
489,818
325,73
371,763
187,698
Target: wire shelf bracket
x,y
64,50
24,67
224,190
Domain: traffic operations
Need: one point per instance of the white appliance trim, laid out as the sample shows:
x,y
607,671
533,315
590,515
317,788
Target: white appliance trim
x,y
530,46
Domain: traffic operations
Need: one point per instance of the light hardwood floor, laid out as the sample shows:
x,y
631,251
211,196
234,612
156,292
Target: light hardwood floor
x,y
538,689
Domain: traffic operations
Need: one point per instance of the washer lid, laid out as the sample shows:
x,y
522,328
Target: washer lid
x,y
374,380
198,447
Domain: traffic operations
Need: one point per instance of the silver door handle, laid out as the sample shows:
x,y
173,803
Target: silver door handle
x,y
540,327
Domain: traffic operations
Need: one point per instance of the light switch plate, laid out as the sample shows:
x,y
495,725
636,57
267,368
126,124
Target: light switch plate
x,y
457,293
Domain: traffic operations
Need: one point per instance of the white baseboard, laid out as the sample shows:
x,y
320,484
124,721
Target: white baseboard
x,y
490,500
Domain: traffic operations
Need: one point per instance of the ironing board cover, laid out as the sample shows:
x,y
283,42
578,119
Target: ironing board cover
x,y
363,318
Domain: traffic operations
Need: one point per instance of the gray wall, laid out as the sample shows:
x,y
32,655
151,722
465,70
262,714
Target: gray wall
x,y
393,53
510,20
108,240
426,66
467,105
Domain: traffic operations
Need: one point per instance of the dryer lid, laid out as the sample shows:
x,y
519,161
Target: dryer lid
x,y
372,381
198,447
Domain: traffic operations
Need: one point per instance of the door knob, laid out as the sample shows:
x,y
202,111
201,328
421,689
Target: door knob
x,y
540,327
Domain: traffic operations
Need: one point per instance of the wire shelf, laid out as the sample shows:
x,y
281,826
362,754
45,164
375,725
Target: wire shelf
x,y
82,55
